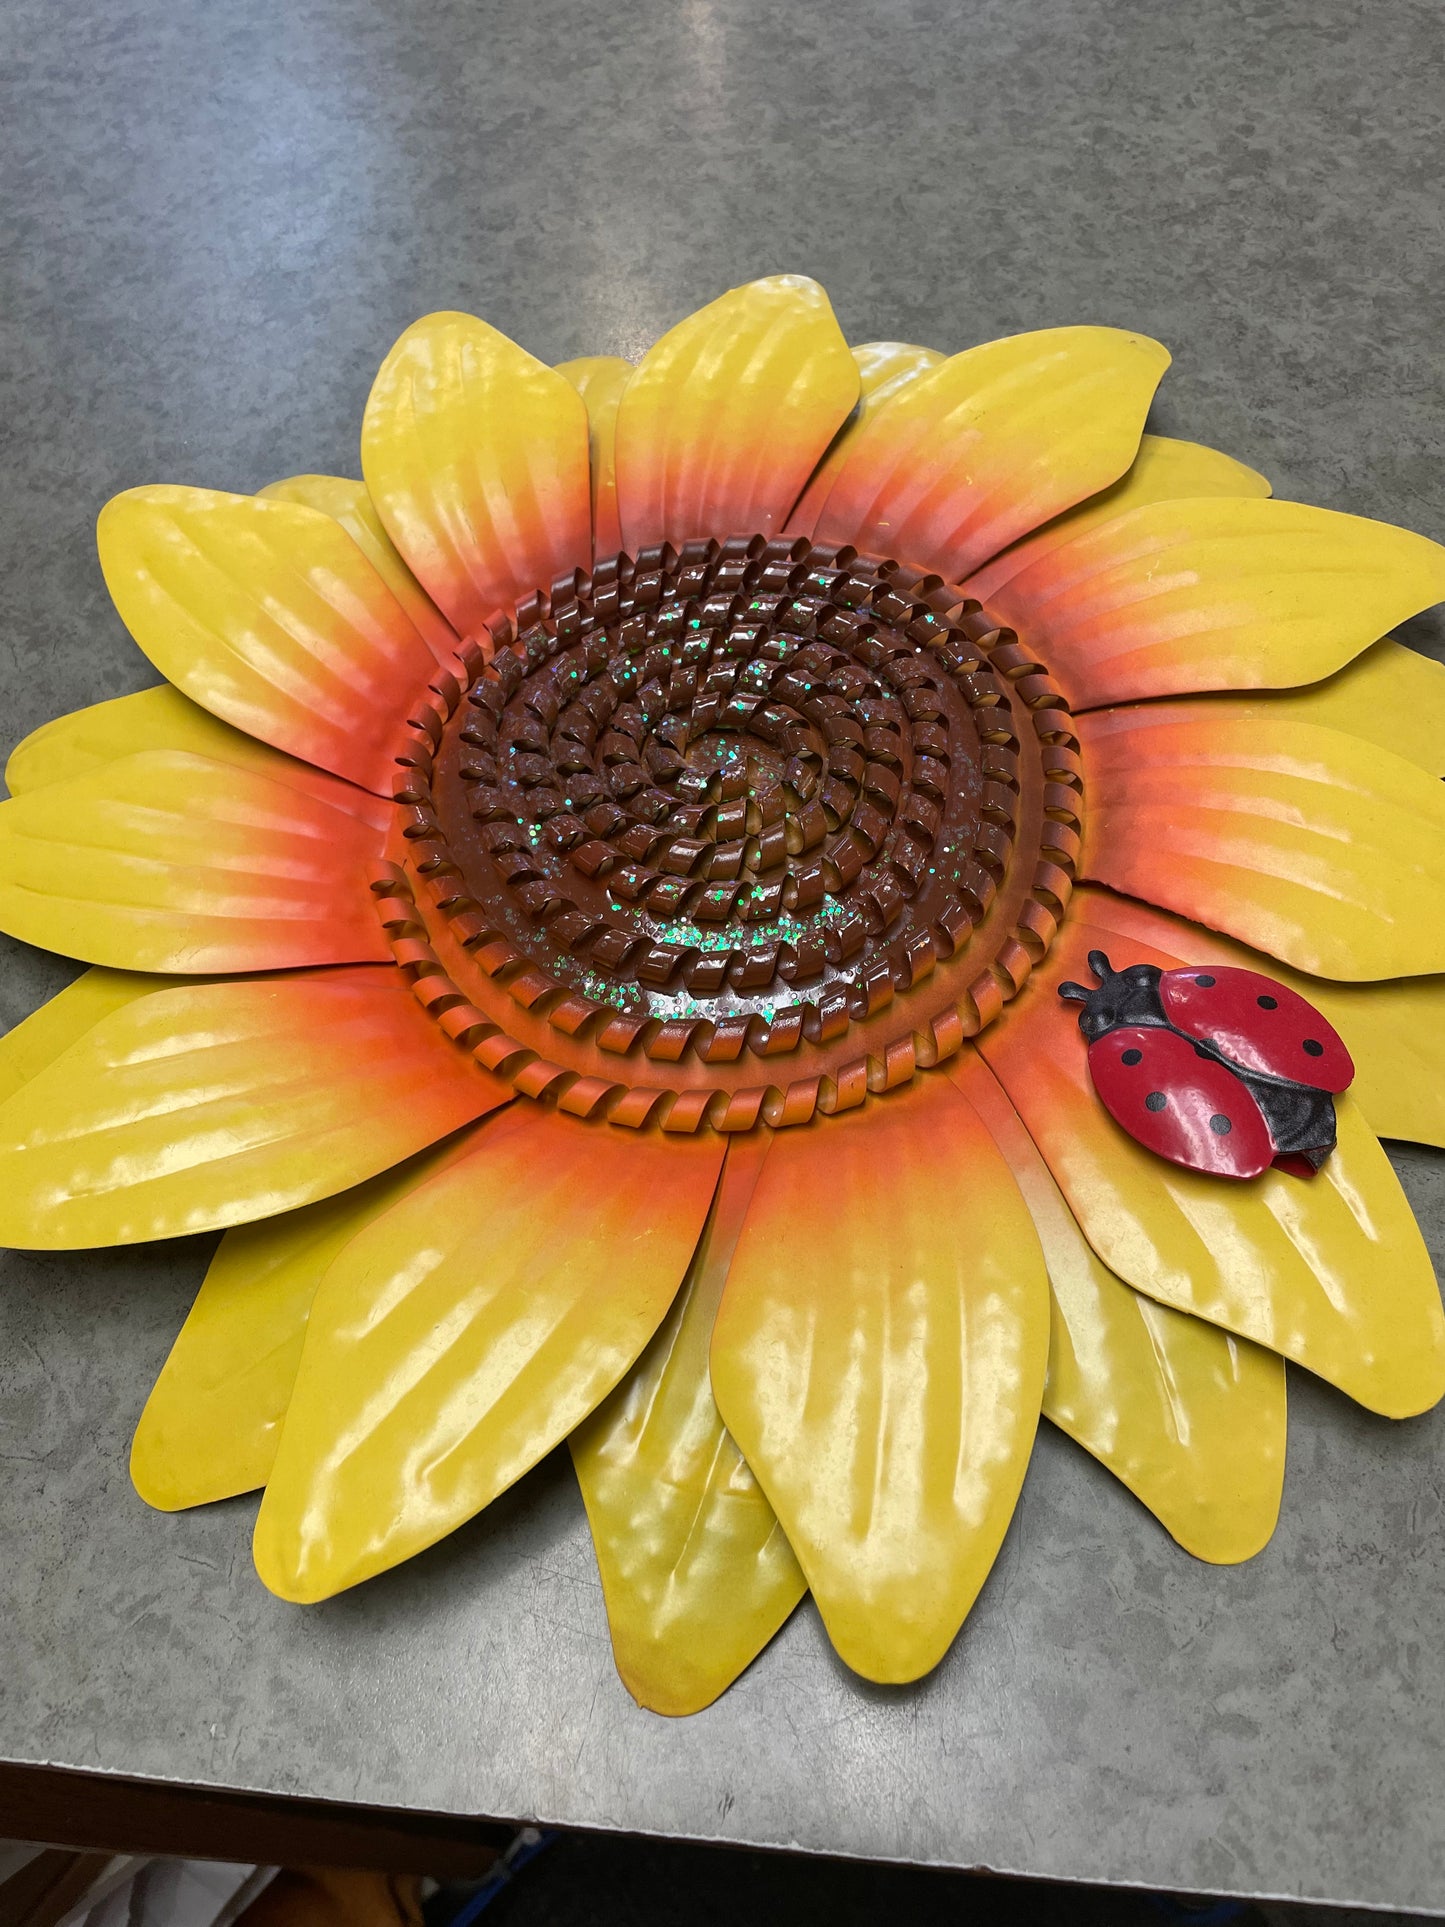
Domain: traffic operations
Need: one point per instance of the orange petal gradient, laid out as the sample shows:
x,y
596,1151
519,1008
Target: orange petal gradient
x,y
162,718
1321,849
475,454
1395,1031
1216,593
728,414
269,615
883,368
465,1333
1188,1417
967,458
173,862
879,1356
1389,695
1331,1271
1164,470
216,1104
600,380
348,503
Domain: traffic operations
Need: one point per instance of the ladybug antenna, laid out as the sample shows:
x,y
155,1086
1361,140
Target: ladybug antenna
x,y
1100,966
1074,993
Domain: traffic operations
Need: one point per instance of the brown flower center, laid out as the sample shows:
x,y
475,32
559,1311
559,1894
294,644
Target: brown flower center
x,y
747,830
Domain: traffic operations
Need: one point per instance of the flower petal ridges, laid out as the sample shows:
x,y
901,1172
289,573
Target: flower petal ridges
x,y
475,454
465,1333
696,1570
1323,850
600,380
1216,593
980,450
269,615
1188,1417
1331,1272
175,862
348,503
883,368
164,719
728,414
212,1423
1164,470
216,1104
879,1356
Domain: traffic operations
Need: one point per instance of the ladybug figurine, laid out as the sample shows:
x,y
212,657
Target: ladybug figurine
x,y
1217,1069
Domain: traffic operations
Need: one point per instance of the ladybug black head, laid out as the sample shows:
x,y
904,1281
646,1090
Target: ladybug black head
x,y
1129,996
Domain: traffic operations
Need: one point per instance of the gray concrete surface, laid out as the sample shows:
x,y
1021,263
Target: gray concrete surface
x,y
214,220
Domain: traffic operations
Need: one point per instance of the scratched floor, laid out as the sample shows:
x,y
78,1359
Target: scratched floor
x,y
596,1881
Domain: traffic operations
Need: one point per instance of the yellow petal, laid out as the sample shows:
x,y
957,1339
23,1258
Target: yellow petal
x,y
348,503
990,444
174,862
1391,696
1164,470
879,1356
465,1333
696,1571
213,1420
1395,1031
475,455
1321,849
269,615
600,380
1216,593
883,368
39,1039
1330,1271
219,1103
1189,1418
163,718
729,413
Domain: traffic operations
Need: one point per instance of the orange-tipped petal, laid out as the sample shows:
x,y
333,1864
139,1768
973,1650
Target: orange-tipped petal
x,y
269,615
475,454
879,1356
992,443
1390,695
1188,1417
348,503
1321,849
883,368
467,1331
728,415
212,1423
1330,1271
1216,593
1164,470
216,1104
600,380
173,862
1395,1031
696,1571
162,718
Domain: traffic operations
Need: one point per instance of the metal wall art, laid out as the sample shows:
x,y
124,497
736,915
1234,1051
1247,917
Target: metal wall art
x,y
585,917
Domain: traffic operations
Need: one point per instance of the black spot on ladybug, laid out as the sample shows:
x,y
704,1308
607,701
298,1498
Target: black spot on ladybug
x,y
1200,1051
1220,1124
1267,1003
1132,1057
1205,983
1155,1101
1313,1048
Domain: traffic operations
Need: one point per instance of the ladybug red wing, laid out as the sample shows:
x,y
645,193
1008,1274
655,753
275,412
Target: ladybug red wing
x,y
1185,1107
1262,1025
